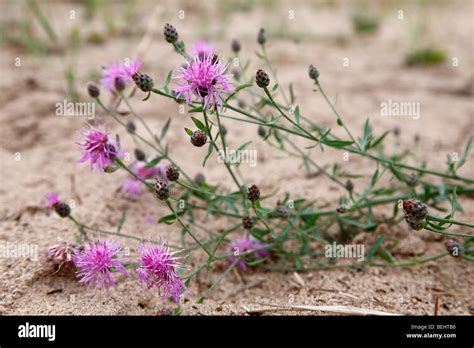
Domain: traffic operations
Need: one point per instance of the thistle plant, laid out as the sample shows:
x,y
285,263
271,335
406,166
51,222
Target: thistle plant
x,y
257,234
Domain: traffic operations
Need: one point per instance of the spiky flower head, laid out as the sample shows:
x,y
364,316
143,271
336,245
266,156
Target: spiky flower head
x,y
162,190
203,78
170,33
140,155
313,73
247,222
93,90
62,209
100,263
262,79
415,213
158,268
349,185
123,71
53,203
198,138
253,193
96,146
172,173
131,128
60,255
415,209
236,46
243,245
143,81
282,211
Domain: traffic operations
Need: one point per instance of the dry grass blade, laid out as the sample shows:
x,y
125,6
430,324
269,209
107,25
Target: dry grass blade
x,y
348,310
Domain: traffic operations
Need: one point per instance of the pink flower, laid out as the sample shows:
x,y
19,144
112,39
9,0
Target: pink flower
x,y
133,188
204,78
97,147
203,49
124,69
244,244
51,200
158,269
99,262
61,254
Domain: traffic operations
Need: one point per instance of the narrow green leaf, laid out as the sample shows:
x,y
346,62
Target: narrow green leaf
x,y
337,143
169,219
154,162
165,128
122,221
297,114
292,94
467,148
209,151
375,177
199,124
196,110
239,88
379,140
373,249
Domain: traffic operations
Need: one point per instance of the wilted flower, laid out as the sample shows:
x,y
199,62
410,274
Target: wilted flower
x,y
97,147
99,262
244,244
123,70
158,268
61,254
205,79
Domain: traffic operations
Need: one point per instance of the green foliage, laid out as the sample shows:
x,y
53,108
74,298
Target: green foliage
x,y
364,24
425,56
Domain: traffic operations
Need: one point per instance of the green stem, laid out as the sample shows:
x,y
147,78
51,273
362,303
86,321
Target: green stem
x,y
429,228
340,120
312,137
213,143
449,221
187,229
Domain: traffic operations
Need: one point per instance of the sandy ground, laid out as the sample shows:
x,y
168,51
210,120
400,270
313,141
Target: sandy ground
x,y
38,153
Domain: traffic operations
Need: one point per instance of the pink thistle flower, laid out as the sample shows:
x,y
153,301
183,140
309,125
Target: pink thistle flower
x,y
60,255
205,79
158,268
244,244
133,188
203,49
124,70
99,262
51,200
97,147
